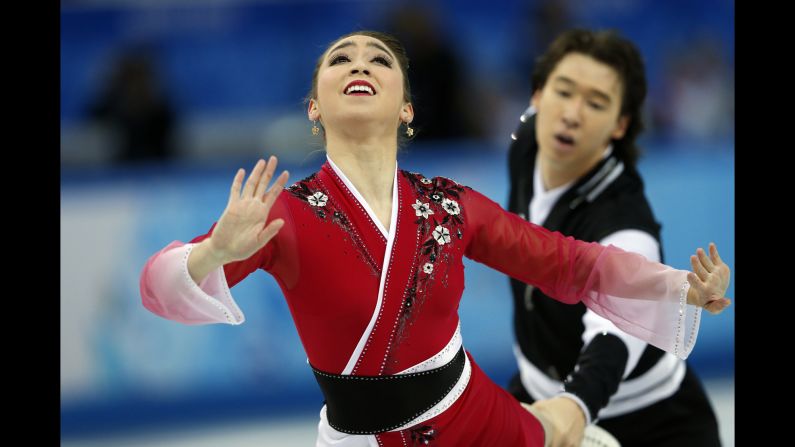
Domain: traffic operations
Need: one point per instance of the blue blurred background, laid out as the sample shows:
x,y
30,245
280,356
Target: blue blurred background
x,y
161,101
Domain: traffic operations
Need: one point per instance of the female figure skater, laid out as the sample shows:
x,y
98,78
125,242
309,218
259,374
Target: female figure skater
x,y
369,258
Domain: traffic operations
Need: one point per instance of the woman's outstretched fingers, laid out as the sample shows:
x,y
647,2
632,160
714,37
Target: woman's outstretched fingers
x,y
262,185
720,271
698,268
276,189
270,230
251,183
717,306
237,183
705,261
713,253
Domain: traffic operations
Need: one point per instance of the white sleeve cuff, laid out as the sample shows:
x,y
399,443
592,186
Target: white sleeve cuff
x,y
168,290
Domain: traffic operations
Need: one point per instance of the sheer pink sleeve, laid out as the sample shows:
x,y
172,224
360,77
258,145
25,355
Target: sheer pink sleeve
x,y
168,290
643,298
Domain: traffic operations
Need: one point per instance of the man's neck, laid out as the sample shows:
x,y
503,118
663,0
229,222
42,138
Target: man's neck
x,y
555,174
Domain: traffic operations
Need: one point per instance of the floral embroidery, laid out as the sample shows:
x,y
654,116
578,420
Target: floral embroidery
x,y
317,199
422,435
436,235
422,209
310,190
441,234
443,193
451,206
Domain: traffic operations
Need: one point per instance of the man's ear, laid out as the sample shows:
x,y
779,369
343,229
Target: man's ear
x,y
621,127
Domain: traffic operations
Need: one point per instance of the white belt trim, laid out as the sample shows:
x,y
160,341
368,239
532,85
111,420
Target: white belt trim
x,y
442,357
656,384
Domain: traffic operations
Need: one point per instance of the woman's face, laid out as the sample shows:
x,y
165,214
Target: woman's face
x,y
359,80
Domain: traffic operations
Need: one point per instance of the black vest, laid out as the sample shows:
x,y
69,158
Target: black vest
x,y
548,332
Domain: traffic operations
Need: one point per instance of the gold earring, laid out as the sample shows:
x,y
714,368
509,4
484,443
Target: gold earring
x,y
409,131
315,129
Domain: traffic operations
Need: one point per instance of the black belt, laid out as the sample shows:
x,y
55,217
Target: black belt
x,y
376,404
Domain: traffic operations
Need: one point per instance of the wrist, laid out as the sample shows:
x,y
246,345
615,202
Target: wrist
x,y
203,260
692,296
213,254
581,409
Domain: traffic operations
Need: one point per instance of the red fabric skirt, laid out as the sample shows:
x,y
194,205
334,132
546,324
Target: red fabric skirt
x,y
484,415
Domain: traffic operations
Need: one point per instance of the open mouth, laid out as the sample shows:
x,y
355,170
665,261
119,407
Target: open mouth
x,y
564,139
359,88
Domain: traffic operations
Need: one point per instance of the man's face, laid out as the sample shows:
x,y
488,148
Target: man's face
x,y
578,112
